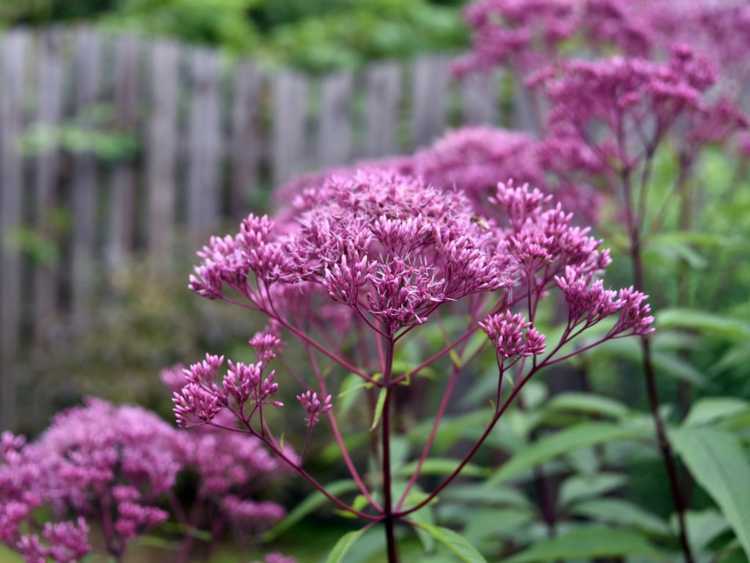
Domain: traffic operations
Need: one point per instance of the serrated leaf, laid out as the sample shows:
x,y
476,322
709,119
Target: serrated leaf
x,y
720,465
588,542
454,542
343,546
310,504
378,408
583,435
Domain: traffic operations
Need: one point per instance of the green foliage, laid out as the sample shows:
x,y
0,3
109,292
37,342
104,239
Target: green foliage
x,y
313,35
343,546
454,542
370,29
587,542
224,23
720,465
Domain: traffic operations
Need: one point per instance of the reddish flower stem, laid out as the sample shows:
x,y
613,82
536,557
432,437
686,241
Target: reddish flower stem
x,y
665,447
340,442
389,517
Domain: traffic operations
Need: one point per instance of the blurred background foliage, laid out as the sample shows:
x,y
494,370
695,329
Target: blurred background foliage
x,y
312,35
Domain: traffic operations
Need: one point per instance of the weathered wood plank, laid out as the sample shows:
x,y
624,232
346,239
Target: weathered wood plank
x,y
121,224
289,146
524,115
479,98
204,149
430,94
14,49
383,83
87,73
49,75
246,136
161,150
335,121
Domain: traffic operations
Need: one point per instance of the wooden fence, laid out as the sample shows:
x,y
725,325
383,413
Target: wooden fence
x,y
145,145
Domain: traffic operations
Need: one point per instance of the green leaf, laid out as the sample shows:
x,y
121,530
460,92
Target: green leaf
x,y
486,495
666,362
712,409
700,321
310,504
343,546
587,403
351,388
583,435
378,408
720,465
588,542
444,466
623,513
455,543
580,487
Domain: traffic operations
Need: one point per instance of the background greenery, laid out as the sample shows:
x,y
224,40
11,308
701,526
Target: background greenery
x,y
314,35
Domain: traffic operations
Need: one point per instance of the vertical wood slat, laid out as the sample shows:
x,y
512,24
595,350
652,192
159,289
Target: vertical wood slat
x,y
204,145
335,123
430,96
290,95
524,117
383,83
246,138
161,149
14,50
479,98
122,201
50,95
87,69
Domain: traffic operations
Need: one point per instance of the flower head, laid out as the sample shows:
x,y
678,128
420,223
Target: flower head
x,y
512,335
314,405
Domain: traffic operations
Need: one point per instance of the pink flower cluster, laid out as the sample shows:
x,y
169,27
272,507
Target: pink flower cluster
x,y
112,466
107,464
475,159
624,97
389,247
230,466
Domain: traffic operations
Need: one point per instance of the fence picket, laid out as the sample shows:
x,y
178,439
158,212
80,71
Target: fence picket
x,y
87,61
289,143
246,137
429,110
479,97
383,83
14,48
122,202
204,148
161,151
335,124
49,76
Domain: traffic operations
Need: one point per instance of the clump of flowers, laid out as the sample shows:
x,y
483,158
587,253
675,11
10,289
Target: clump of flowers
x,y
231,468
106,464
475,159
394,250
